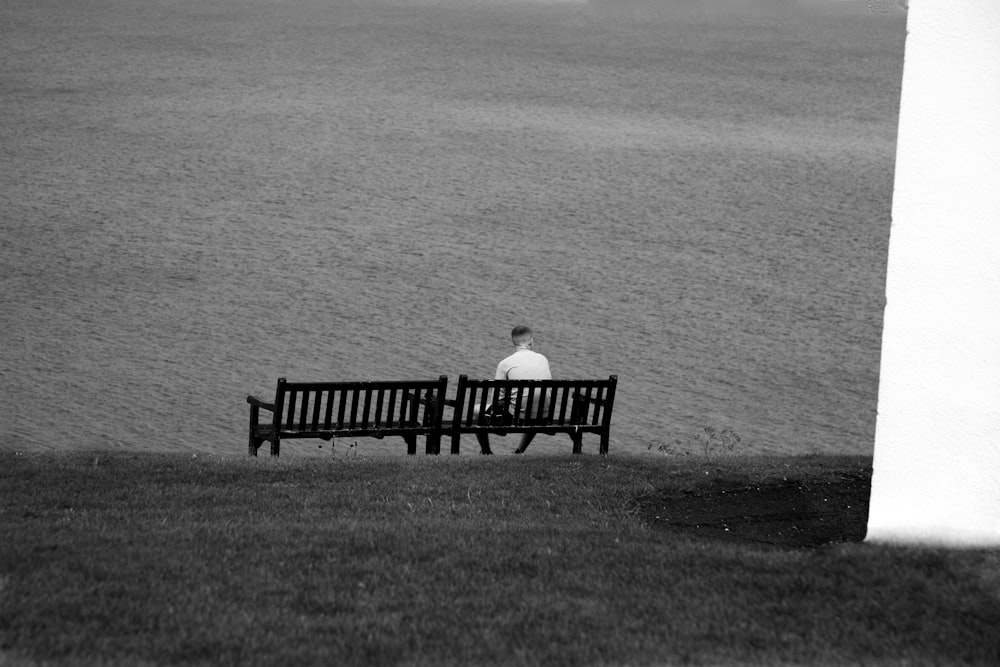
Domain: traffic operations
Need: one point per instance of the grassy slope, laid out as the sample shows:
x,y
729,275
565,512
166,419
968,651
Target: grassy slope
x,y
168,559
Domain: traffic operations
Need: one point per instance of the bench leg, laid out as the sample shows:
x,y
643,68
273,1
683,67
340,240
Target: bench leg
x,y
455,443
254,418
605,439
411,443
577,438
275,445
433,445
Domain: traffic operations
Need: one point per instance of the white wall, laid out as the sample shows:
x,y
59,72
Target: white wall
x,y
937,441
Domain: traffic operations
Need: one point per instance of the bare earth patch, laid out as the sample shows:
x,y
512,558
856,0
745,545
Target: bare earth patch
x,y
787,513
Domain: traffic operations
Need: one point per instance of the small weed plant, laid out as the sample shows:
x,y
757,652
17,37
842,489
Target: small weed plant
x,y
709,442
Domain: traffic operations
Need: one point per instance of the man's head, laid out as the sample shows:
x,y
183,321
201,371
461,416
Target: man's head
x,y
521,336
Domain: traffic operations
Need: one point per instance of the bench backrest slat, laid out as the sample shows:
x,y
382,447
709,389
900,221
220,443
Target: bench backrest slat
x,y
598,404
520,391
328,415
352,420
379,401
586,406
392,406
563,404
404,404
366,408
305,406
597,394
429,415
341,407
293,397
475,403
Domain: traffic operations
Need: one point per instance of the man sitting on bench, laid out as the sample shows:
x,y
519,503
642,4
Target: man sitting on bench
x,y
523,364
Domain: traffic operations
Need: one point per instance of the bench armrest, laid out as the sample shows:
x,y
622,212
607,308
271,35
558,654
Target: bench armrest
x,y
253,400
422,399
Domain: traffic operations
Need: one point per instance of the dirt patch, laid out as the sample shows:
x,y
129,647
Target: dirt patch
x,y
787,513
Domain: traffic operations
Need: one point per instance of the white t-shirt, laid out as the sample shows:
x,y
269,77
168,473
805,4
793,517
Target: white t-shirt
x,y
524,364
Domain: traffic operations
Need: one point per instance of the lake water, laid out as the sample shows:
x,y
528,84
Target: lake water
x,y
201,196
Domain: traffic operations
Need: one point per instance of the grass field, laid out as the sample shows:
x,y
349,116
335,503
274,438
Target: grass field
x,y
148,559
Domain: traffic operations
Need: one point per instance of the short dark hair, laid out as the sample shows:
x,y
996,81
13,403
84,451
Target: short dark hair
x,y
520,334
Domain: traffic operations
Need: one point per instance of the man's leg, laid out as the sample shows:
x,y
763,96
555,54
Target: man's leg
x,y
484,442
526,439
539,409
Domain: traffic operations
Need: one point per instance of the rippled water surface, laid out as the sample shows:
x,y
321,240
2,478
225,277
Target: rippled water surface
x,y
200,197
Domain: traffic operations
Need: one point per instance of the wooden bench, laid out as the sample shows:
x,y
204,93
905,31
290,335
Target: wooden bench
x,y
361,409
573,407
